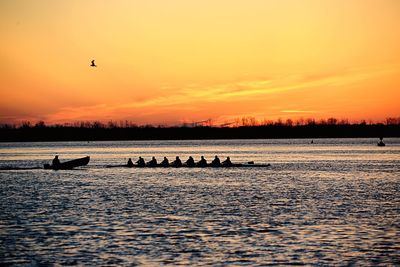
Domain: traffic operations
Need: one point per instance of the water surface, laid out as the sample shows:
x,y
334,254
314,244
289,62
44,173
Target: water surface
x,y
334,202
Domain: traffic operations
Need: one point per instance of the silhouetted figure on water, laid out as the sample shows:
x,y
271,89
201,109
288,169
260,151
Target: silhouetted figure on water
x,y
227,162
381,143
190,162
152,162
130,163
312,141
177,162
56,161
93,64
202,162
165,162
216,162
141,162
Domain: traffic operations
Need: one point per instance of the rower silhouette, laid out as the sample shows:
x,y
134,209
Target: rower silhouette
x,y
165,162
141,162
190,162
227,162
216,162
152,162
202,162
93,64
177,162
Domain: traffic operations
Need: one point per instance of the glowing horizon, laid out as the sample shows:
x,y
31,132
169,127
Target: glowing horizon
x,y
168,62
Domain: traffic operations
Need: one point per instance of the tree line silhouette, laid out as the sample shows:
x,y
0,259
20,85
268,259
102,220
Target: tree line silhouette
x,y
240,128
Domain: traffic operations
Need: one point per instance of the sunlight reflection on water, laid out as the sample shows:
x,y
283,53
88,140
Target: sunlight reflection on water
x,y
334,203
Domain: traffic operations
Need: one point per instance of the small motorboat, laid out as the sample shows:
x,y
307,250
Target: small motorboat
x,y
68,165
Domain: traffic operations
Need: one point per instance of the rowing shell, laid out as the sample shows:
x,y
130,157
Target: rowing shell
x,y
236,165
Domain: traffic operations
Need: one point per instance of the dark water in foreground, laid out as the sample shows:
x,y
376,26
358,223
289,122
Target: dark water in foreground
x,y
336,202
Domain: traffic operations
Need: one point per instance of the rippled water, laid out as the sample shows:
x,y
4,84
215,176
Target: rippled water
x,y
335,202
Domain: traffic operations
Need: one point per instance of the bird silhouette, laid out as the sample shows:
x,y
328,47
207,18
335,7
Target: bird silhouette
x,y
93,65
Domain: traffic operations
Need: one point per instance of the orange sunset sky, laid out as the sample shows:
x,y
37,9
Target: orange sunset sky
x,y
173,61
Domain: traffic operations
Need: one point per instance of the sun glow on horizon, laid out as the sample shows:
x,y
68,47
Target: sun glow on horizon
x,y
165,62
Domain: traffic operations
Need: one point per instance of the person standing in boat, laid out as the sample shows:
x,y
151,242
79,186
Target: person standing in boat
x,y
381,143
190,162
130,163
56,161
140,162
227,162
216,162
202,162
152,162
165,162
177,162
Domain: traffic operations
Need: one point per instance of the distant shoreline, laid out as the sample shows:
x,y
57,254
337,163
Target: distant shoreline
x,y
66,133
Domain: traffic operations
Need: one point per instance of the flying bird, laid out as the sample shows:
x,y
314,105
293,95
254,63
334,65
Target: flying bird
x,y
93,65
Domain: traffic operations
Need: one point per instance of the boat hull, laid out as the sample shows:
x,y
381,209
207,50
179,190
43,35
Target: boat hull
x,y
237,165
69,164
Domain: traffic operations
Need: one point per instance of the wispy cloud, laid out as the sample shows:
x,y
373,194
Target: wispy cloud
x,y
193,97
299,111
